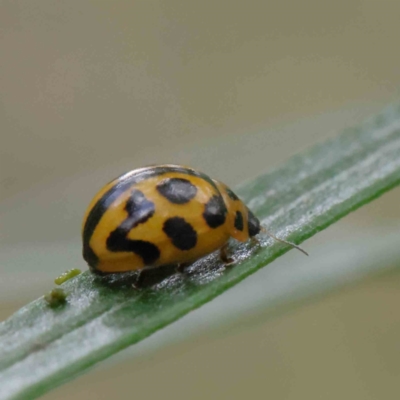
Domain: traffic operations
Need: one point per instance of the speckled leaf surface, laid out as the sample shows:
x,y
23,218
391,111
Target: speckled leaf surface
x,y
41,347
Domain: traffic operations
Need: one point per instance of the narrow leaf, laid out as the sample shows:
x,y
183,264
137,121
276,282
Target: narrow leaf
x,y
41,347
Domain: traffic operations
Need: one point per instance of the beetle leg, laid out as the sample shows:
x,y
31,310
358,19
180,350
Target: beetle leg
x,y
138,284
254,241
180,268
224,256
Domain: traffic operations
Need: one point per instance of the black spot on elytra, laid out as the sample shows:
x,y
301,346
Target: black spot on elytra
x,y
148,251
239,221
215,212
177,190
253,224
182,234
139,211
231,194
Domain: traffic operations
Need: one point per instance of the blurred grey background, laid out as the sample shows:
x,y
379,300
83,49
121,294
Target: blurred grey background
x,y
91,89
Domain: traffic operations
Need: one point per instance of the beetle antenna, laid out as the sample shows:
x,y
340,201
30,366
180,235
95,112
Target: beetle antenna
x,y
265,230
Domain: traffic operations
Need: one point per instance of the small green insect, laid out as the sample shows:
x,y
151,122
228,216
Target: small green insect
x,y
67,275
56,297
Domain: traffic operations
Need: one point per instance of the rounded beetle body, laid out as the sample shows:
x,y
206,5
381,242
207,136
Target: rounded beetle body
x,y
161,215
